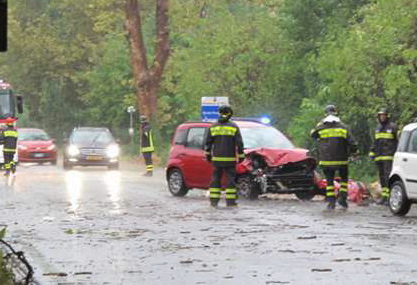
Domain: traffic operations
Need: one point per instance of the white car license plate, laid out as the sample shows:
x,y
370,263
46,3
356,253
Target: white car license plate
x,y
39,155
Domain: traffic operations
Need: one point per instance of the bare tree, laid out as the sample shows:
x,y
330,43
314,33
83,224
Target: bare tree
x,y
147,78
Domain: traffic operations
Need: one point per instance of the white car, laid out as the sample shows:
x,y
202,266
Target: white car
x,y
403,178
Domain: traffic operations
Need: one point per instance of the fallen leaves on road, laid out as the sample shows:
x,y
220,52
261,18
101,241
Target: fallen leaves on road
x,y
321,270
307,237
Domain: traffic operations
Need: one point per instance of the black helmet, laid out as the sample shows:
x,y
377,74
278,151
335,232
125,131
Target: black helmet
x,y
331,110
143,119
383,111
225,111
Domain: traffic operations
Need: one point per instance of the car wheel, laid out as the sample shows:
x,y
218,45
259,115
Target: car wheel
x,y
54,162
67,165
247,188
399,203
176,184
305,195
113,166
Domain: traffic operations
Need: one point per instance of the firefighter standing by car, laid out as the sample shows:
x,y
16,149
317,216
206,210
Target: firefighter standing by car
x,y
147,146
222,143
9,141
383,149
335,143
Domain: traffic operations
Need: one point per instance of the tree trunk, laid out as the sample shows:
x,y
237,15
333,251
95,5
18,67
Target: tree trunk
x,y
147,79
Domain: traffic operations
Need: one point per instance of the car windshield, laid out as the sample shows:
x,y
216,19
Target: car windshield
x,y
264,137
33,136
5,106
91,137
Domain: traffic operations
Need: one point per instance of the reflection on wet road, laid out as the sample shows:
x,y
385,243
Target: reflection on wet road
x,y
74,185
93,226
114,187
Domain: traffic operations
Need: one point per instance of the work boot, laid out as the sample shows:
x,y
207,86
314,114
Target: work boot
x,y
148,173
342,199
331,203
214,204
7,172
384,201
231,204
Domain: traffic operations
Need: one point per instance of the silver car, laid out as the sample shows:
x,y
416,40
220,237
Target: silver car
x,y
403,178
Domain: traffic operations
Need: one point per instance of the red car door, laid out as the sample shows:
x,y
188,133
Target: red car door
x,y
197,170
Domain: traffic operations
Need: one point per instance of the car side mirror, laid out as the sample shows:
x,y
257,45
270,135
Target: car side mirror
x,y
19,104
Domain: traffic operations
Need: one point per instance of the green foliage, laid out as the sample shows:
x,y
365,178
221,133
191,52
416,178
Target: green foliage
x,y
285,58
5,275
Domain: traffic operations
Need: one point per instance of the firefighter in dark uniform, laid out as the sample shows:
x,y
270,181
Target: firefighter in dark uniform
x,y
9,141
383,149
222,143
335,144
147,146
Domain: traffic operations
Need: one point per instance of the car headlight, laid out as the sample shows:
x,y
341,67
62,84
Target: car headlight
x,y
51,147
113,150
73,150
22,147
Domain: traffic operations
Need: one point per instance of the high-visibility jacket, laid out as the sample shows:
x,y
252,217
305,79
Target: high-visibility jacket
x,y
9,139
385,142
223,142
335,142
147,139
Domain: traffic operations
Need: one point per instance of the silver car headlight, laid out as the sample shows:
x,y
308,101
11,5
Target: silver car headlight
x,y
73,150
113,151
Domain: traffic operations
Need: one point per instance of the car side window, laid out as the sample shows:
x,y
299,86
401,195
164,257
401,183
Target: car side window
x,y
180,137
403,143
412,147
195,138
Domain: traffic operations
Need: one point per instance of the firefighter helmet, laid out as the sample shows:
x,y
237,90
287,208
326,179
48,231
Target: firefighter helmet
x,y
331,110
143,119
383,111
225,111
9,121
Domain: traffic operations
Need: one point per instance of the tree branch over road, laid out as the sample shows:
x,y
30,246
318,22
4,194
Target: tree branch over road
x,y
146,78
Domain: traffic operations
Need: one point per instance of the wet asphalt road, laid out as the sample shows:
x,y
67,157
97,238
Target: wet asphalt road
x,y
93,226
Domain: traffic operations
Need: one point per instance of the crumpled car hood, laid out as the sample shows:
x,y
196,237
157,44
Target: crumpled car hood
x,y
276,157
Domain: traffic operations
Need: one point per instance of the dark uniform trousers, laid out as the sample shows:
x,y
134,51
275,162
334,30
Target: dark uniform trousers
x,y
330,173
384,169
216,186
148,161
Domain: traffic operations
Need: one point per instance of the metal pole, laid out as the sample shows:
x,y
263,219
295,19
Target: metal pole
x,y
131,128
130,110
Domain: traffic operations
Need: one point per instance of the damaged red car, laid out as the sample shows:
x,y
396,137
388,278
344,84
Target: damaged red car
x,y
272,164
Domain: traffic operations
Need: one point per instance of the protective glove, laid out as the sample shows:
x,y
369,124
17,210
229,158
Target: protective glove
x,y
241,159
372,156
208,157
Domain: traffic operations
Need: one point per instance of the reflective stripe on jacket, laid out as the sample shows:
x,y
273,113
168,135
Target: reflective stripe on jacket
x,y
223,141
334,141
147,139
385,142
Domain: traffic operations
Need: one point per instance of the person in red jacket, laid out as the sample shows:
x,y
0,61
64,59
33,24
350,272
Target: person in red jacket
x,y
223,142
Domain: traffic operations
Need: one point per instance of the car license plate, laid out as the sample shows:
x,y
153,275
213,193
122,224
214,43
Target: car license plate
x,y
39,155
94,158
